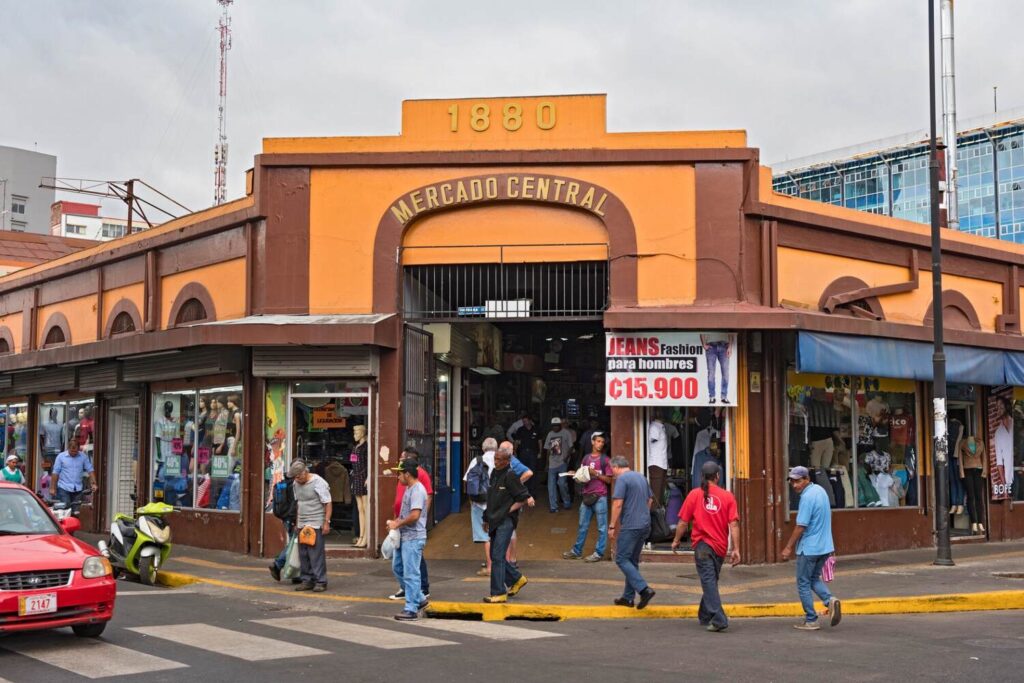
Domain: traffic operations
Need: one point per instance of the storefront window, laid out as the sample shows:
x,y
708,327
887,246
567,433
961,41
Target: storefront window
x,y
58,423
197,448
685,437
857,436
15,432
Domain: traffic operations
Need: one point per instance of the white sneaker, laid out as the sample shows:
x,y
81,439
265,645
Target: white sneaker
x,y
400,595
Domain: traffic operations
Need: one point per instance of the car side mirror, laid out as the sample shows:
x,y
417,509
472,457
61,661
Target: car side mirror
x,y
71,524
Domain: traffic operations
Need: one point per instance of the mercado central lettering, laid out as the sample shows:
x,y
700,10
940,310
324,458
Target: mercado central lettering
x,y
514,186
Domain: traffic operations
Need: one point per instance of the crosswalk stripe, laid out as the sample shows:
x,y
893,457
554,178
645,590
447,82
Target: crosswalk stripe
x,y
483,629
352,633
227,642
92,658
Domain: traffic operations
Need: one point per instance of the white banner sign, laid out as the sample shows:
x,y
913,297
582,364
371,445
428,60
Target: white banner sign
x,y
670,369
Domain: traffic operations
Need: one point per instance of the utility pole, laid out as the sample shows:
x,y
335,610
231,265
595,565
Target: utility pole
x,y
995,99
943,550
949,114
220,150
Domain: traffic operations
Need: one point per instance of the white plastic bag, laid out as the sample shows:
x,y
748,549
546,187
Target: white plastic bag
x,y
391,544
292,566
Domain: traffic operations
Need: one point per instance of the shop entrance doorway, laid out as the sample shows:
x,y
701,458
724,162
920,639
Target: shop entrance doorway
x,y
330,433
122,455
963,421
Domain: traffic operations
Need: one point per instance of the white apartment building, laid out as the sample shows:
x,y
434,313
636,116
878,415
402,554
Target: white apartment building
x,y
83,220
23,204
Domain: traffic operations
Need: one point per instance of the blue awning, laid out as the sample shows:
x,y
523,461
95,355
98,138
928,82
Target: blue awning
x,y
836,354
1013,364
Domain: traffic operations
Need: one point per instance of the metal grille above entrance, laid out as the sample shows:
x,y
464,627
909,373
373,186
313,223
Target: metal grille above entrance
x,y
576,290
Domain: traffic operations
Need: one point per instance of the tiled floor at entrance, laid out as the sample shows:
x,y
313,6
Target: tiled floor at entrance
x,y
542,535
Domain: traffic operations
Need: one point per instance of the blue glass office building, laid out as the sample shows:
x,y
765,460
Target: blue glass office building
x,y
890,177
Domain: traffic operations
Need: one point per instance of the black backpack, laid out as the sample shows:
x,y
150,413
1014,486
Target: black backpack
x,y
478,481
283,505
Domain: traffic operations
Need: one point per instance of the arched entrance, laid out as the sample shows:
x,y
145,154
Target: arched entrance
x,y
503,304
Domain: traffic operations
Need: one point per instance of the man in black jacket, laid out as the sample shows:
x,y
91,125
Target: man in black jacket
x,y
505,495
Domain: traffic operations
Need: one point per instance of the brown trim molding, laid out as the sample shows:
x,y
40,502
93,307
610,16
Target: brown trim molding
x,y
6,335
123,306
56,319
848,291
119,252
192,290
963,317
203,251
283,237
517,157
612,212
383,333
71,287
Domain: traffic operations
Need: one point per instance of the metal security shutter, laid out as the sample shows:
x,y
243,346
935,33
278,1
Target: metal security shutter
x,y
189,363
98,377
43,381
314,361
6,381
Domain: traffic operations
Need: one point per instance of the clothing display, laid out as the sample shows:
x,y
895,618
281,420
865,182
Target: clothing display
x,y
823,453
883,483
698,462
821,479
336,476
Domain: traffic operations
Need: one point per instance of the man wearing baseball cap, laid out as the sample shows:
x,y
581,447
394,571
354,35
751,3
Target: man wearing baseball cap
x,y
812,539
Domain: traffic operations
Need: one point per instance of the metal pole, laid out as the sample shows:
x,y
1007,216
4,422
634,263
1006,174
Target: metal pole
x,y
943,551
131,203
949,114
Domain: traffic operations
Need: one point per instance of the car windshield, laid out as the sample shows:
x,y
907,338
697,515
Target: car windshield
x,y
21,513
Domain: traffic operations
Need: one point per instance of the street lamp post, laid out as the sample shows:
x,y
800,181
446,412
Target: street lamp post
x,y
943,551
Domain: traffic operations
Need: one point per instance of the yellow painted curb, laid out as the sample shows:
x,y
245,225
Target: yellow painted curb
x,y
916,604
176,580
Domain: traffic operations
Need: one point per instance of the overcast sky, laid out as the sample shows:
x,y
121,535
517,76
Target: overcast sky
x,y
121,88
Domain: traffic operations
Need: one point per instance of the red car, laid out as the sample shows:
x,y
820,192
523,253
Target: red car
x,y
48,578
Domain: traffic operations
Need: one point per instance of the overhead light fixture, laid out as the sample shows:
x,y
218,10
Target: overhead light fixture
x,y
586,336
548,338
485,370
564,338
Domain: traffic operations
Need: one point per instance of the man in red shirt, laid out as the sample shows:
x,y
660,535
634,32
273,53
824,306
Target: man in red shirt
x,y
424,478
713,512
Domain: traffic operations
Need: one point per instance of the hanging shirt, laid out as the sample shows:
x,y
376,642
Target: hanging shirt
x,y
53,436
657,445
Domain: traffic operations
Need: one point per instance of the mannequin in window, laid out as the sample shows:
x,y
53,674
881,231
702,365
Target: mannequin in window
x,y
359,482
235,414
165,430
51,436
85,429
71,426
21,436
974,472
220,424
204,412
956,484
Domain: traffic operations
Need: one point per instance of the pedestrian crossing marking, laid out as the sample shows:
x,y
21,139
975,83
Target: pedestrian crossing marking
x,y
358,634
227,642
91,658
483,629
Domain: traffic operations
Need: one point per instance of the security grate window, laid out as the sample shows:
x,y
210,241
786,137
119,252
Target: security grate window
x,y
571,290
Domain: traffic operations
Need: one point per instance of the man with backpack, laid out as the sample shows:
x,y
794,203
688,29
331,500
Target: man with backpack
x,y
283,506
477,479
595,501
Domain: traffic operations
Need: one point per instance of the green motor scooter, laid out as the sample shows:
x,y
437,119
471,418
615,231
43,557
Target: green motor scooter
x,y
140,545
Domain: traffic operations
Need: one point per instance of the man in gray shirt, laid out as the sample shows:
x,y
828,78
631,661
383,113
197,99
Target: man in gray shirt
x,y
558,444
412,525
313,499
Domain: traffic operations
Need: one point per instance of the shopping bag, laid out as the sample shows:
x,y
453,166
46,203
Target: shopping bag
x,y
660,531
392,543
291,567
828,572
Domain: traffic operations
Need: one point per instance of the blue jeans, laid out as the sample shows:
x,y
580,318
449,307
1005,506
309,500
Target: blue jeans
x,y
424,577
627,557
808,578
957,493
718,354
503,573
559,484
600,508
406,566
282,558
709,568
73,499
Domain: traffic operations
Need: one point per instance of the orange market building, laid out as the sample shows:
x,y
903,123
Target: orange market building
x,y
509,255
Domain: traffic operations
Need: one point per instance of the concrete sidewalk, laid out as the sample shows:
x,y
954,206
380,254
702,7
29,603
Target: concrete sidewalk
x,y
986,576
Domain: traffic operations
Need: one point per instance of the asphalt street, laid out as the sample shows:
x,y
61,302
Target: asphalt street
x,y
208,633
